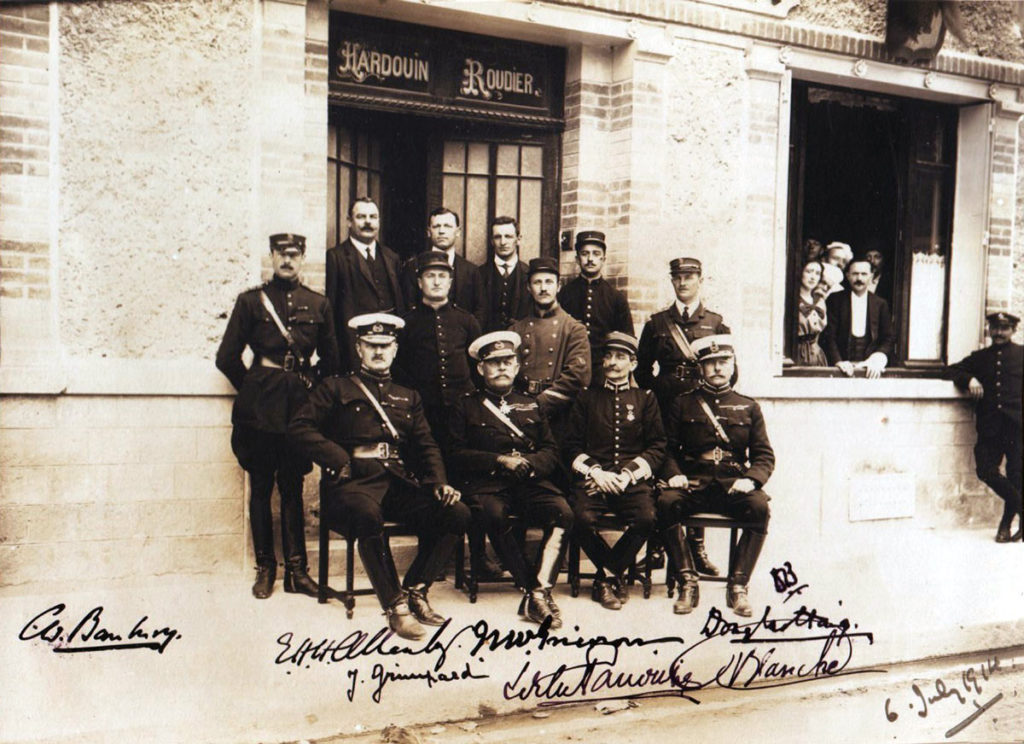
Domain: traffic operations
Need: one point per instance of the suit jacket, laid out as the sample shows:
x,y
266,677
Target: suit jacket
x,y
467,290
351,290
835,340
520,302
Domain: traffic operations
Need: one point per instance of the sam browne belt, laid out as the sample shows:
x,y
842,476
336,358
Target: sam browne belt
x,y
376,451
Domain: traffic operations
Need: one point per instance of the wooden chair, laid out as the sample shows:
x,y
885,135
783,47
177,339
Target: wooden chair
x,y
715,521
607,522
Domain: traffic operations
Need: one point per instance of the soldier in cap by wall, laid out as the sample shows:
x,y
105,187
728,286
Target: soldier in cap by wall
x,y
992,376
380,462
283,322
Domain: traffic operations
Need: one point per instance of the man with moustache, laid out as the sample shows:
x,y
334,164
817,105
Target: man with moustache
x,y
719,458
467,290
283,322
992,376
666,339
859,333
380,462
363,276
432,346
503,450
504,278
555,350
594,302
616,443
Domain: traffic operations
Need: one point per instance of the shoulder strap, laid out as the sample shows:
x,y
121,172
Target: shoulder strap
x,y
713,419
503,418
677,335
376,406
280,326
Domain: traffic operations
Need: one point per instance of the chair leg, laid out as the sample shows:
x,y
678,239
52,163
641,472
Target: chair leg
x,y
574,566
460,558
322,589
350,574
647,568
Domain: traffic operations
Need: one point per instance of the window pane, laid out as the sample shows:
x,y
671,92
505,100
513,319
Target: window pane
x,y
479,158
374,189
332,205
361,185
533,158
451,197
506,197
476,221
361,148
332,141
928,242
508,160
931,139
344,144
454,157
529,219
344,196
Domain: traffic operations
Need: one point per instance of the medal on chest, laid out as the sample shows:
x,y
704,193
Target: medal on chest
x,y
630,415
505,408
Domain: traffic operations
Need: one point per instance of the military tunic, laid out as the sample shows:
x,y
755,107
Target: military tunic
x,y
555,357
711,463
676,374
601,308
998,368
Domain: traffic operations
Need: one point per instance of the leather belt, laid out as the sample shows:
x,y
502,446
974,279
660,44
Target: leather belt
x,y
378,451
684,372
288,365
715,455
536,387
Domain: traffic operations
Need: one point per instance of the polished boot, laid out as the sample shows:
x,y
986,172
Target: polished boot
x,y
747,552
487,569
402,623
555,609
439,551
380,569
511,554
266,574
297,579
293,536
421,608
1003,534
535,608
678,550
695,537
604,594
547,571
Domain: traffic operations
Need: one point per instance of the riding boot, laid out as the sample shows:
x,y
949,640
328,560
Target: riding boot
x,y
487,568
747,552
440,550
261,522
511,555
678,550
547,570
695,536
379,567
293,544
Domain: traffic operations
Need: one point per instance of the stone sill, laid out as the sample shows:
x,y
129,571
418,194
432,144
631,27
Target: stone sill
x,y
850,388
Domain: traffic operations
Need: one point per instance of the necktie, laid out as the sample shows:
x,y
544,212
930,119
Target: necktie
x,y
686,314
504,270
369,255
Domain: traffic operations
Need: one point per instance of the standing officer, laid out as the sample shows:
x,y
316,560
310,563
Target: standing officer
x,y
666,339
555,353
615,442
380,462
504,279
467,291
362,276
594,302
719,459
993,378
504,452
283,322
432,347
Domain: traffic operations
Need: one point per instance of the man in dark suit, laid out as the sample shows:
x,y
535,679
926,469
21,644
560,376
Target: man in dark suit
x,y
467,290
992,376
507,297
363,276
859,331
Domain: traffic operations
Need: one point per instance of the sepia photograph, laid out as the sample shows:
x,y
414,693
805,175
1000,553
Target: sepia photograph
x,y
511,371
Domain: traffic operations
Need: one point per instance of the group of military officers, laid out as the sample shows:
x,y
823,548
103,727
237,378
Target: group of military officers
x,y
490,396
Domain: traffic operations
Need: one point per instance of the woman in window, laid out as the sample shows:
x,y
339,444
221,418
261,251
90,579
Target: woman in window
x,y
810,317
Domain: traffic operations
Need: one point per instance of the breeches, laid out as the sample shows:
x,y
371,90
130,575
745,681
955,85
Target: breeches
x,y
361,507
675,504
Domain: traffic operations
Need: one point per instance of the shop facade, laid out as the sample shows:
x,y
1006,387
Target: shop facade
x,y
149,149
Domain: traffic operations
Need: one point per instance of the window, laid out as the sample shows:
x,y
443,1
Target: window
x,y
877,172
353,169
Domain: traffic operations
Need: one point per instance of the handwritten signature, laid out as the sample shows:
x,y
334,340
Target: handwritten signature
x,y
89,634
970,682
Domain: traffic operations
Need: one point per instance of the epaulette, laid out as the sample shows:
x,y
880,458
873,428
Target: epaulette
x,y
311,290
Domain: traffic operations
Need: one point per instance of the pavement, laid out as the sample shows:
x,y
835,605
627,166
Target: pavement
x,y
200,660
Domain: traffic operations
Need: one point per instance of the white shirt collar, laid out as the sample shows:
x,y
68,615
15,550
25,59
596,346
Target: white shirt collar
x,y
692,307
363,247
510,263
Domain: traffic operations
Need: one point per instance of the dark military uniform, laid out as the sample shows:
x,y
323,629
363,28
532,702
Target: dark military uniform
x,y
390,476
432,359
269,392
676,373
467,289
601,308
619,429
998,369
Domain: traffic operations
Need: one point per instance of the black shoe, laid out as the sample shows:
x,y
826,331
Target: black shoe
x,y
297,581
1003,534
701,561
402,623
490,570
621,588
603,594
688,599
535,608
266,574
736,598
555,609
1016,536
421,608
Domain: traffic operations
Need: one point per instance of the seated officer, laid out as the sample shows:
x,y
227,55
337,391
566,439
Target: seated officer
x,y
616,442
502,447
379,463
719,458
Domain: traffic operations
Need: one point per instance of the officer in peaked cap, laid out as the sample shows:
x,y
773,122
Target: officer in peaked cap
x,y
506,457
594,302
380,462
283,322
616,444
719,460
992,376
666,339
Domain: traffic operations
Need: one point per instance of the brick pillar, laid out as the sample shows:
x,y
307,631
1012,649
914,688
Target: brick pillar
x,y
1002,209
